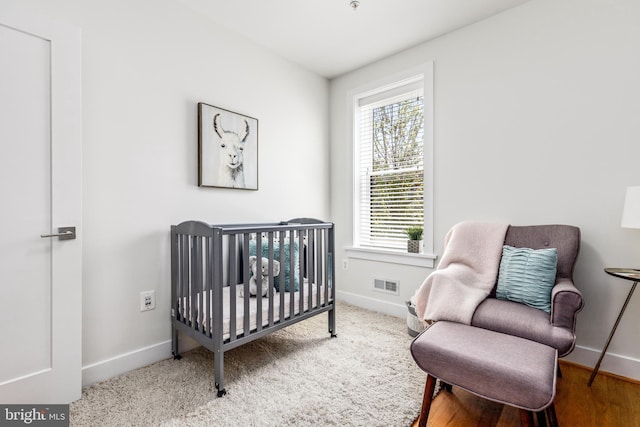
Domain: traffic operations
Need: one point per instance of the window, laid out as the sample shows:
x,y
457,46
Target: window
x,y
393,163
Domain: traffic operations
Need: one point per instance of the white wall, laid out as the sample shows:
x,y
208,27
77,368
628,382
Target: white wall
x,y
536,121
146,64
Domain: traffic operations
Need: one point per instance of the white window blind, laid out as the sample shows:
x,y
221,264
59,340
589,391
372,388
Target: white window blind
x,y
390,165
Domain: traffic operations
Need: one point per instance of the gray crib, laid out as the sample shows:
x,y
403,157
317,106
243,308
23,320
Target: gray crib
x,y
210,282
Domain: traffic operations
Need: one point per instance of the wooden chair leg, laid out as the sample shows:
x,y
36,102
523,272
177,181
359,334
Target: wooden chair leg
x,y
426,400
542,418
551,415
559,371
526,418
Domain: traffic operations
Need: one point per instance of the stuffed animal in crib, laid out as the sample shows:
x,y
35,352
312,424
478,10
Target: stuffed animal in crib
x,y
263,270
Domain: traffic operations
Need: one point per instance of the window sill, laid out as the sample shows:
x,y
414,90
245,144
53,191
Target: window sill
x,y
391,256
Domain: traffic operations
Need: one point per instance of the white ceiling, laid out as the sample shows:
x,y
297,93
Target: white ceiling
x,y
329,38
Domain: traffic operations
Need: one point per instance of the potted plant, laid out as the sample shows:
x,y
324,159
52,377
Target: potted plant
x,y
415,239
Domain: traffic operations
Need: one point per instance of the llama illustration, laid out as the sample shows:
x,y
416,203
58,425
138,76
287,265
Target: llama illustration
x,y
231,170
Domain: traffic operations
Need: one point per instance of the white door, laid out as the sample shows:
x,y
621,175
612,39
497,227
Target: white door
x,y
40,190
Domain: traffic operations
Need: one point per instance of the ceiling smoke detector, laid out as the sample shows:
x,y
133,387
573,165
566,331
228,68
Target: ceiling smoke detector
x,y
354,4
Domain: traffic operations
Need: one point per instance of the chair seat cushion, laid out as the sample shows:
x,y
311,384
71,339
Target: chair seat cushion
x,y
522,321
498,367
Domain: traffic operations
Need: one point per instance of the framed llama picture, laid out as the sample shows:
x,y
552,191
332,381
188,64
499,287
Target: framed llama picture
x,y
227,149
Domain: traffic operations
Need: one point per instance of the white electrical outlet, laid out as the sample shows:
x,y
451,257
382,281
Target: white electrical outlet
x,y
345,264
147,300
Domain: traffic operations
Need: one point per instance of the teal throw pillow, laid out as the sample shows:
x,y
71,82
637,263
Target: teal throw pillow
x,y
527,276
287,263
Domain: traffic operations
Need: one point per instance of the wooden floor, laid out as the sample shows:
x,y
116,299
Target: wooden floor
x,y
610,401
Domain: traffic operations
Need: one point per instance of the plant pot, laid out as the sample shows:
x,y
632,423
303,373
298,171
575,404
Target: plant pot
x,y
413,246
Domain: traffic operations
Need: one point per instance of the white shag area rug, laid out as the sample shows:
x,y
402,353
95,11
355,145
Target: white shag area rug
x,y
297,376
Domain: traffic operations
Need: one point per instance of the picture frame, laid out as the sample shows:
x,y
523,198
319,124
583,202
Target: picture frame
x,y
227,149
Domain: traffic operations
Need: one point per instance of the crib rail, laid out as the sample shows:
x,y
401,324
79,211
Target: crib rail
x,y
211,280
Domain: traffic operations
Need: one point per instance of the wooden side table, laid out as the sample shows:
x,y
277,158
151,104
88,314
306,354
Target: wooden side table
x,y
622,273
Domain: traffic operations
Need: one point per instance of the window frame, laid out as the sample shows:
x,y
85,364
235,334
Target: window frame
x,y
423,72
366,234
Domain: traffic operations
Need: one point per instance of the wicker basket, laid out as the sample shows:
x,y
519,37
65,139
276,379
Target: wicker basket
x,y
414,325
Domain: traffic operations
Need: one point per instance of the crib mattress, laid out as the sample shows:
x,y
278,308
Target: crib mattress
x,y
253,308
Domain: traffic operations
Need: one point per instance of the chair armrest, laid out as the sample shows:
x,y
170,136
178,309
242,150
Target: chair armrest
x,y
566,302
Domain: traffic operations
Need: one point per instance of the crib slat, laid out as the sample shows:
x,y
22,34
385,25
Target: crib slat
x,y
202,253
181,277
245,282
300,271
258,279
281,237
186,266
271,277
310,264
320,269
190,288
207,310
292,275
233,280
196,282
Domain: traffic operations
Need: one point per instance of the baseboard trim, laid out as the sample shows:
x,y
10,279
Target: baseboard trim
x,y
613,363
373,304
123,363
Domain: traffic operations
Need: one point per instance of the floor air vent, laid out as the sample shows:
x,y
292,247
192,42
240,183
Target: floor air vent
x,y
388,286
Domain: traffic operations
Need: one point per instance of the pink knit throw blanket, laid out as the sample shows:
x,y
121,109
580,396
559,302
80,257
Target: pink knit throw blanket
x,y
466,274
